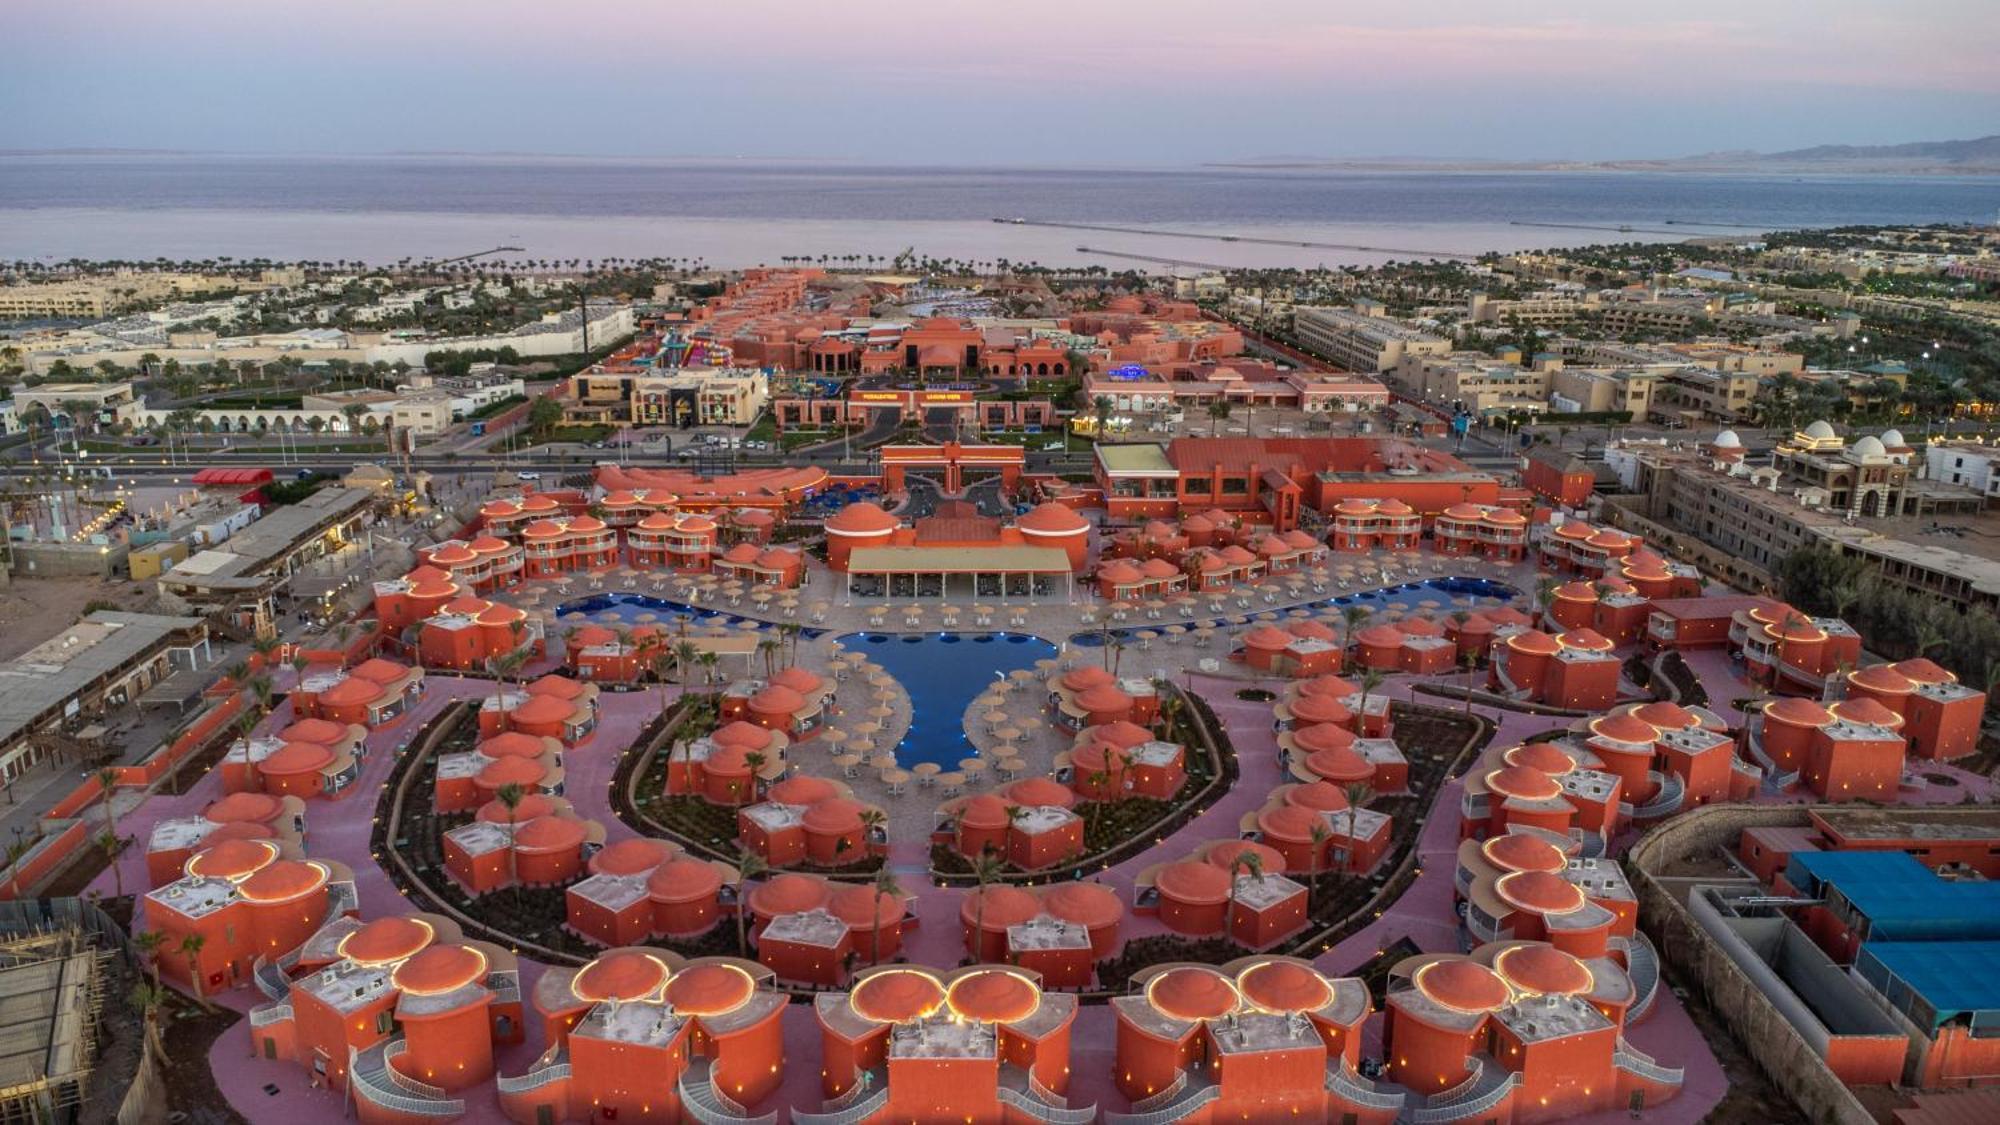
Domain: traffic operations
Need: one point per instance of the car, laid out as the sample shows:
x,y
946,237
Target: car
x,y
1052,447
527,475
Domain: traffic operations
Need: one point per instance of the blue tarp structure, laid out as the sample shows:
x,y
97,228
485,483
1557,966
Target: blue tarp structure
x,y
1893,897
1936,982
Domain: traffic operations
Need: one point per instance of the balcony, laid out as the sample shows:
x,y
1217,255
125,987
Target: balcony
x,y
1642,964
1488,1086
552,1067
1666,802
1343,1083
1189,1099
373,1080
710,1106
1625,1058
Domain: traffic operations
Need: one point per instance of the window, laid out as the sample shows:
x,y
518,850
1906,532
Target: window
x,y
1235,486
1195,486
385,1022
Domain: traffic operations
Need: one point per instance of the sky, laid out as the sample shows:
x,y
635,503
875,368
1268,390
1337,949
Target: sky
x,y
1021,82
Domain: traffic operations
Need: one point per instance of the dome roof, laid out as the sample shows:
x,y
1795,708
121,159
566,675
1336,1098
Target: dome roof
x,y
1105,699
1820,430
1893,439
560,686
515,744
1586,640
622,974
352,690
994,996
1464,986
1795,711
798,679
1862,709
1574,529
452,554
532,805
487,545
1543,756
1925,671
1624,727
1289,823
1123,734
1224,852
1323,737
386,940
1005,906
629,857
1883,678
1380,636
835,816
1318,796
741,553
1342,765
1520,781
282,881
1543,969
324,731
803,789
710,989
586,524
1462,512
1543,892
1320,710
550,834
1158,568
897,996
1327,685
777,699
232,859
541,709
297,757
380,671
1190,992
440,969
1193,882
236,830
1520,851
1090,905
258,807
1084,677
1663,715
511,771
683,880
1052,518
787,894
1727,439
1576,592
863,909
737,732
1284,986
1534,641
1869,446
1119,572
861,518
1033,791
1268,636
983,811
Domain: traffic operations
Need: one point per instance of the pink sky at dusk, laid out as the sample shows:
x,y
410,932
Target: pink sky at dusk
x,y
1164,82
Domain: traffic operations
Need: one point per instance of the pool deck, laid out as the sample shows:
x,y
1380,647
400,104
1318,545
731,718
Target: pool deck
x,y
339,830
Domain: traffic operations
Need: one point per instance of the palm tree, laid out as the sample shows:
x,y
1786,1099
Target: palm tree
x,y
1120,762
1371,679
986,868
755,759
871,819
15,851
107,780
1320,835
1351,619
108,842
510,796
686,656
190,948
884,884
1358,793
149,943
710,663
503,667
750,867
767,648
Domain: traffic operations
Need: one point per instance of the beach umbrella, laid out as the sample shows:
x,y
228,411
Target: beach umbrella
x,y
925,771
1021,675
883,761
893,777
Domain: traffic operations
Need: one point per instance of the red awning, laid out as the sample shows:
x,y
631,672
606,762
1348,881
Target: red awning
x,y
221,477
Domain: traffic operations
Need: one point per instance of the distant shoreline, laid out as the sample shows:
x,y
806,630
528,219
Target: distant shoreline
x,y
1663,167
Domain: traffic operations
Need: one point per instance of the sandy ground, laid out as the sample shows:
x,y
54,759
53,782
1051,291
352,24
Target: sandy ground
x,y
34,609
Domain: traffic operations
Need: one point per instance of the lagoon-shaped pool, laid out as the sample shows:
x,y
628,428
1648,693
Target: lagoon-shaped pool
x,y
944,672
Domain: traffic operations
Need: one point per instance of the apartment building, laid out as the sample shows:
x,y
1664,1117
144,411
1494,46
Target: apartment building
x,y
1356,341
724,396
1595,390
1474,381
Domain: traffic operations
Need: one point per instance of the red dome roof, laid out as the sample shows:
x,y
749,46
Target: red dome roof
x,y
440,969
832,817
712,989
1342,765
282,881
352,691
1574,529
1862,709
1005,906
531,806
1323,736
994,996
1267,636
386,940
1084,677
1119,572
232,859
452,554
1534,641
1123,734
550,834
259,807
1289,823
236,830
1542,756
1543,969
1318,796
860,907
683,880
1192,882
323,731
1052,518
1320,710
788,894
1463,985
1224,852
1924,671
297,757
1462,512
1158,568
1624,727
1882,678
861,518
1284,986
487,545
1188,992
542,709
1794,711
797,679
1518,851
1104,699
1523,782
1326,685
983,811
562,687
897,996
803,789
1540,891
1090,905
622,974
1033,791
741,553
629,857
1586,640
749,736
514,744
381,671
777,700
1380,636
511,771
1667,716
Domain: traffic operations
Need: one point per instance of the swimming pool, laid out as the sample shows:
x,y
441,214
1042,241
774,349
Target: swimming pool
x,y
626,608
1409,595
943,672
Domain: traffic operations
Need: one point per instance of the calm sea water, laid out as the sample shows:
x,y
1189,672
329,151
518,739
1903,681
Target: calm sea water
x,y
382,209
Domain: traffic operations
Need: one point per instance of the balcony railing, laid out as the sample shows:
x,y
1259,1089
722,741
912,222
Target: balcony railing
x,y
1492,1087
1186,1107
1343,1083
270,979
849,1115
1154,1101
1042,1111
1632,1062
374,1081
271,1013
706,1103
533,1080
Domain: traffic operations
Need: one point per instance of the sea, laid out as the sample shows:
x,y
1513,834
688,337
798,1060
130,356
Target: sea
x,y
739,213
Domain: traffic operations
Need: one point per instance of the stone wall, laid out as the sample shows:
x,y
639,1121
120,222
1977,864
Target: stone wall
x,y
1791,1062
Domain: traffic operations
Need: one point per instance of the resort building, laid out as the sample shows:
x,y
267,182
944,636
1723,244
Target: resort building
x,y
1856,756
245,815
1563,791
469,633
811,820
814,931
491,854
1576,671
641,888
792,702
372,694
1315,827
552,706
957,553
1940,717
1090,696
718,766
1201,898
1118,759
469,779
1060,931
246,904
310,758
239,579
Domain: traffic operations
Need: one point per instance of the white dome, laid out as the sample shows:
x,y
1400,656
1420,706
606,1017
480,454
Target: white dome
x,y
1820,431
1727,439
1870,446
1894,439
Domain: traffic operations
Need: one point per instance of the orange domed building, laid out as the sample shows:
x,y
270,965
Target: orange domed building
x,y
547,850
401,993
240,816
805,819
812,930
1941,717
1837,757
1043,831
553,706
1257,1039
942,1046
640,888
466,780
248,903
1060,931
372,694
638,1029
1361,525
717,766
1576,670
309,758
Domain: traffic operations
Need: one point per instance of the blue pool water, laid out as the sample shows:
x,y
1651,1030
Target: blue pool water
x,y
944,672
1408,595
627,607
